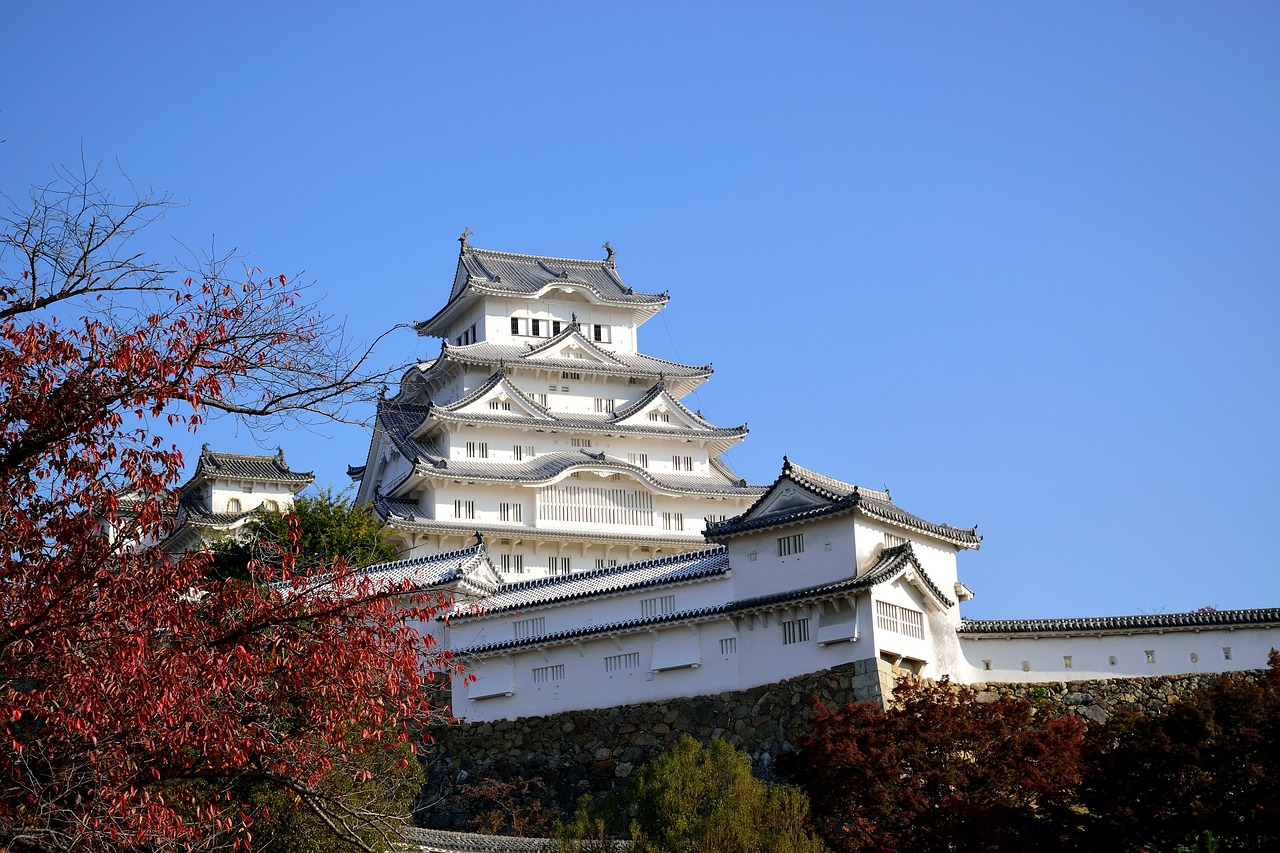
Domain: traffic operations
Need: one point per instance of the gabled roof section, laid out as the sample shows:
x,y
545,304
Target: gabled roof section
x,y
676,568
800,494
216,466
571,340
469,570
483,272
659,399
546,468
1201,619
497,386
891,564
680,378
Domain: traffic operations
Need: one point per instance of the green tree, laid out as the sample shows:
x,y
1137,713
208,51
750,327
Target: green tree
x,y
703,799
323,526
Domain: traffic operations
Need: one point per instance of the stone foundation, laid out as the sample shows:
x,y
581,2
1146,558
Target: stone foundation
x,y
597,751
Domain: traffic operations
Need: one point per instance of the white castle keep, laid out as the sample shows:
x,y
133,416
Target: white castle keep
x,y
548,474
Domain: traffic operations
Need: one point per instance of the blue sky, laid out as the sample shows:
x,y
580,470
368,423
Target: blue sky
x,y
1019,262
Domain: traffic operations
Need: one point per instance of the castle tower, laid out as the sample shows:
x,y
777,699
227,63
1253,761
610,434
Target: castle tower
x,y
542,427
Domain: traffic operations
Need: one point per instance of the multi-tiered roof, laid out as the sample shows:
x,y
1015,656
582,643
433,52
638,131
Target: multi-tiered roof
x,y
540,380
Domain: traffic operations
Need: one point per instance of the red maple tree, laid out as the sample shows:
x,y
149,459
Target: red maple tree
x,y
939,770
136,688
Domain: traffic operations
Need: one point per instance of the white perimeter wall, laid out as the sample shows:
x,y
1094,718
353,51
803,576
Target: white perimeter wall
x,y
1028,659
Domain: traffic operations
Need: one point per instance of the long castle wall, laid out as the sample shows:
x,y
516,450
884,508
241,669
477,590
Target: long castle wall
x,y
597,751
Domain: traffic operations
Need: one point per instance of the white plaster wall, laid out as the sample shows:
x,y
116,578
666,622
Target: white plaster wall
x,y
587,684
1091,655
251,496
474,631
758,570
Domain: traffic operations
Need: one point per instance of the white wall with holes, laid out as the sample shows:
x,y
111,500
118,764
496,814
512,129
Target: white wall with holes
x,y
1114,654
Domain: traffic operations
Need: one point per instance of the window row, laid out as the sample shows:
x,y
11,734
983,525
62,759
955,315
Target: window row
x,y
538,327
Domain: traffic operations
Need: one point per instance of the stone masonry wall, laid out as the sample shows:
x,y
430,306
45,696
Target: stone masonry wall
x,y
597,751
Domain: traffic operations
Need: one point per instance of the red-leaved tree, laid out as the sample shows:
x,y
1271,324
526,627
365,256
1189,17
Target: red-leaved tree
x,y
940,771
136,689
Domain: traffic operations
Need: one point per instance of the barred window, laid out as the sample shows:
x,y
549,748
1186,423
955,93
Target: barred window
x,y
795,631
788,545
558,565
464,509
526,628
510,512
640,459
512,564
623,662
657,606
580,442
521,452
729,646
604,404
682,463
500,405
673,521
595,505
477,450
660,417
900,620
569,374
547,674
602,563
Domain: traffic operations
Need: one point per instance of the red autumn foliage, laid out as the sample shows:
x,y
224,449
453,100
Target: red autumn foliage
x,y
136,689
939,771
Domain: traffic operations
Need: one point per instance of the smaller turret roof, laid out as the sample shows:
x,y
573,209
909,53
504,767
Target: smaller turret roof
x,y
833,497
217,466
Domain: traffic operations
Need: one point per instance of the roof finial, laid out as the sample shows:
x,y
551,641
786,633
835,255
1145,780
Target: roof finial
x,y
279,451
466,232
479,538
609,258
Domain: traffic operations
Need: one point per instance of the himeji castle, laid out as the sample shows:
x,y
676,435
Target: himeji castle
x,y
549,475
542,427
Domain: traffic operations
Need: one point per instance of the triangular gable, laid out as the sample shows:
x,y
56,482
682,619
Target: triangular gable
x,y
668,410
899,565
510,400
571,344
786,496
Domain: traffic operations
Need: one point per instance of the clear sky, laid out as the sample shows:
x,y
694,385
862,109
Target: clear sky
x,y
1018,261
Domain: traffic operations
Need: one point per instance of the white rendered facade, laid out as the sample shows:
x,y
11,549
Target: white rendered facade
x,y
817,574
619,560
225,491
543,427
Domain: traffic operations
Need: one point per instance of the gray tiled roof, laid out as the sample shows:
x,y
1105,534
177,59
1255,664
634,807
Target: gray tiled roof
x,y
445,841
401,420
485,272
890,563
626,364
213,465
1269,616
527,274
844,497
420,572
692,565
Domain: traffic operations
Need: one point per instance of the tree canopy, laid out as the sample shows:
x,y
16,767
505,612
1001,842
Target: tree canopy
x,y
137,690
